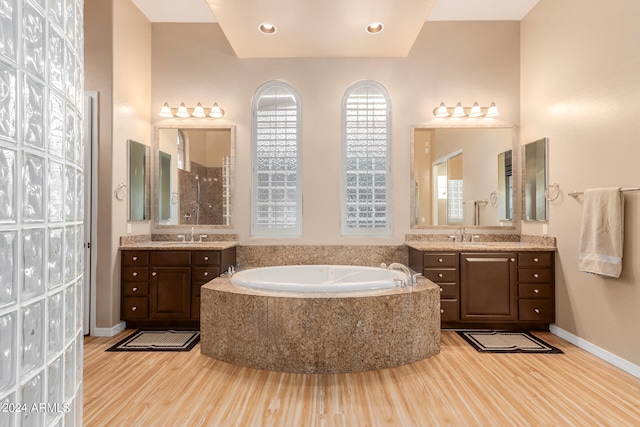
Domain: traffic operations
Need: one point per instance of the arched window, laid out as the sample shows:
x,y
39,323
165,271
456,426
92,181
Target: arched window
x,y
366,160
276,197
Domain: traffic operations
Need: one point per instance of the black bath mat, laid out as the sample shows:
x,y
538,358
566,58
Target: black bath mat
x,y
507,342
158,341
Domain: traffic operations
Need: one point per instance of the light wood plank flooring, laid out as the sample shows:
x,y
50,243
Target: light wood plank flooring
x,y
458,387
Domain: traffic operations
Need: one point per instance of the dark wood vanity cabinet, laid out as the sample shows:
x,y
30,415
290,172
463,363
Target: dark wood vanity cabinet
x,y
498,290
162,288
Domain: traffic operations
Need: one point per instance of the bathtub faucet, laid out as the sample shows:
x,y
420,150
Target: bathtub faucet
x,y
397,266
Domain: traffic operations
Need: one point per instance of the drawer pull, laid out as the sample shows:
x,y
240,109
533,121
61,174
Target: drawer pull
x,y
441,289
134,308
135,258
536,291
442,310
537,310
206,258
535,260
439,259
513,260
440,274
154,273
134,274
135,289
206,273
536,275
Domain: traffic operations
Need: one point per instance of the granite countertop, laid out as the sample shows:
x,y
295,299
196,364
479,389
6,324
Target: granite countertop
x,y
480,246
176,245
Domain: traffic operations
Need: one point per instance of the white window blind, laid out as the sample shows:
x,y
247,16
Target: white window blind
x,y
276,192
366,208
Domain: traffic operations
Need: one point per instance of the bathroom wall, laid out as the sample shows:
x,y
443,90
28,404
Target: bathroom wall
x,y
581,88
118,57
450,62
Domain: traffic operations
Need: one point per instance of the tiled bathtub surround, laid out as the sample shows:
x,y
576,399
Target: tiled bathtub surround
x,y
319,333
41,211
365,255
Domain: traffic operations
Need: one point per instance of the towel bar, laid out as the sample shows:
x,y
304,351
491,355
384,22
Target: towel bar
x,y
575,194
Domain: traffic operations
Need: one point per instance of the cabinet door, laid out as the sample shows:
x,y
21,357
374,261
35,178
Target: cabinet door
x,y
170,293
488,287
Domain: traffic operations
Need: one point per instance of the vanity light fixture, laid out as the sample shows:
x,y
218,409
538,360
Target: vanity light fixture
x,y
267,28
459,111
375,27
197,112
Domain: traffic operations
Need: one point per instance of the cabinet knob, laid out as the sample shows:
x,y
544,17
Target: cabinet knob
x,y
536,291
535,260
154,273
441,289
206,273
134,274
440,275
442,310
537,310
513,260
134,308
439,259
135,258
135,289
536,275
206,258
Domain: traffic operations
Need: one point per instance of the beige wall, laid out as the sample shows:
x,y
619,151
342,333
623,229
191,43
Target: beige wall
x,y
449,62
581,88
118,66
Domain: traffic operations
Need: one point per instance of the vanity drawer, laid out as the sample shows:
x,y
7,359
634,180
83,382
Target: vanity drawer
x,y
440,260
135,308
134,258
535,290
448,290
170,258
206,257
135,289
204,274
439,276
536,310
135,274
534,259
449,310
534,275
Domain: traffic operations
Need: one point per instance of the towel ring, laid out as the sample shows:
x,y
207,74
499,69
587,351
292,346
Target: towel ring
x,y
121,191
493,198
547,192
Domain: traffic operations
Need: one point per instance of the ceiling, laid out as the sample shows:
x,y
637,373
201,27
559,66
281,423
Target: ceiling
x,y
328,28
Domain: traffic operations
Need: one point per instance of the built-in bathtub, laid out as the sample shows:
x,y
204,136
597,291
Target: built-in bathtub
x,y
319,278
319,331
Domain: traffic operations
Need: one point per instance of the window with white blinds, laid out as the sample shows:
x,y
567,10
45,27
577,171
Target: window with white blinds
x,y
366,160
277,160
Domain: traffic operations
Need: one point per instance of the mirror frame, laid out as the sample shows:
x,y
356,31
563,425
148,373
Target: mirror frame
x,y
156,178
544,189
146,179
516,194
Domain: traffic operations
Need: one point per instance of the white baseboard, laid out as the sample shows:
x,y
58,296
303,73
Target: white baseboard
x,y
616,361
108,332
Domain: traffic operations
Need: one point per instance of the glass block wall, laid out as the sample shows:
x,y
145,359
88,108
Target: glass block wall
x,y
41,212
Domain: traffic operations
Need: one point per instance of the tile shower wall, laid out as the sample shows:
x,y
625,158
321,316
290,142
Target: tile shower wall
x,y
41,212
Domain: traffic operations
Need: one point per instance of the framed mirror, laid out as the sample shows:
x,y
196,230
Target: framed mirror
x,y
138,179
457,178
535,178
193,179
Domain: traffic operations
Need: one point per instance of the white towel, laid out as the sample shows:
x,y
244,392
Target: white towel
x,y
602,232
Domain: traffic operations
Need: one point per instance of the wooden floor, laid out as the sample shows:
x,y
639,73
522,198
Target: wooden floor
x,y
458,387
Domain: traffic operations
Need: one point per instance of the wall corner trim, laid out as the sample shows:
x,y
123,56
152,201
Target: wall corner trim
x,y
601,353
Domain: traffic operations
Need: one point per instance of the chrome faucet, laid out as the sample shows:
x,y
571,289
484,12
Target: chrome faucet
x,y
408,281
462,232
203,236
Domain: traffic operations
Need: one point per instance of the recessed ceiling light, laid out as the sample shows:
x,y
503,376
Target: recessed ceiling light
x,y
375,27
267,28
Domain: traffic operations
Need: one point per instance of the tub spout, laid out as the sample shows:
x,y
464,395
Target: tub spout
x,y
408,281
